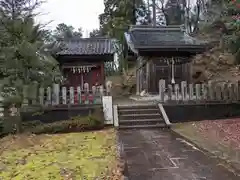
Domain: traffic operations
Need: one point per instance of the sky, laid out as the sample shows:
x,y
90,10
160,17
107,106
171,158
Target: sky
x,y
78,13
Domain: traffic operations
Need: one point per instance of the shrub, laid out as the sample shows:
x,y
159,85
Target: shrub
x,y
94,121
1,127
73,125
10,125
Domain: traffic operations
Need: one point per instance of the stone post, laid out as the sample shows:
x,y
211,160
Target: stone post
x,y
176,89
162,86
170,92
218,92
204,91
71,95
198,91
56,89
191,96
225,91
64,95
86,92
41,95
49,96
184,90
231,92
79,95
211,94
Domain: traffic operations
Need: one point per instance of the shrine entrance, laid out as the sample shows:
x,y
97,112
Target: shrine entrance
x,y
162,53
78,75
171,69
83,61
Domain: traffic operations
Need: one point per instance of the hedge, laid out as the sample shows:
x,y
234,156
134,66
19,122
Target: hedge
x,y
75,124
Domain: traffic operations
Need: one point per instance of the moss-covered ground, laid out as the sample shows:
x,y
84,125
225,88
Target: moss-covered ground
x,y
85,155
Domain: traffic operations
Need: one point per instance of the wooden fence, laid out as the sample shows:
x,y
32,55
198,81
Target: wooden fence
x,y
205,92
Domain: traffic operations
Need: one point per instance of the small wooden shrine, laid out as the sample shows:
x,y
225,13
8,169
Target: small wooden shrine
x,y
82,61
162,53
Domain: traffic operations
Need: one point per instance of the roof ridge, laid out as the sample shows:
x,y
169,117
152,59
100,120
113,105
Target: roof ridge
x,y
87,46
179,28
89,39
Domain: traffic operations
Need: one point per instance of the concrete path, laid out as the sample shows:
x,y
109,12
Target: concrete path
x,y
161,155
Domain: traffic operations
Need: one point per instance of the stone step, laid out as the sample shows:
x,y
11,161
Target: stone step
x,y
138,111
141,122
143,126
139,116
137,107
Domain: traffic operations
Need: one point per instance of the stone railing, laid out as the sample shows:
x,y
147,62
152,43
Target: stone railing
x,y
57,95
209,91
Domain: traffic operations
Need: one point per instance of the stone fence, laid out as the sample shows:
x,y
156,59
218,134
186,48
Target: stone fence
x,y
57,95
205,92
61,95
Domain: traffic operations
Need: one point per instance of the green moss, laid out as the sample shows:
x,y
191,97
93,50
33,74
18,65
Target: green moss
x,y
85,155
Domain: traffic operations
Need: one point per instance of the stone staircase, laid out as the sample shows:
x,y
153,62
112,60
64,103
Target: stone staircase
x,y
140,116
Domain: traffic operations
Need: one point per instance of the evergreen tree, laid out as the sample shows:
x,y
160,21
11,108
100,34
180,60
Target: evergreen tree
x,y
66,32
116,19
24,58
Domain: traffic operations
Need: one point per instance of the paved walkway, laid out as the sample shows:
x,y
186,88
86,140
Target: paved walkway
x,y
161,155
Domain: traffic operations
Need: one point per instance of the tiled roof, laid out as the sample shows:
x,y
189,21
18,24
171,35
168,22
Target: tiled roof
x,y
160,37
89,46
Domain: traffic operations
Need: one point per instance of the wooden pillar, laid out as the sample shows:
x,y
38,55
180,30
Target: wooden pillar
x,y
154,82
102,73
137,83
148,66
141,75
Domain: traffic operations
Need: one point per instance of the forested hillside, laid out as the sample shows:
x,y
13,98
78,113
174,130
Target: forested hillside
x,y
217,22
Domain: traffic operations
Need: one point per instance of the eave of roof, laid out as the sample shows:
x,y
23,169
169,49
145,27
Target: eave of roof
x,y
89,46
187,42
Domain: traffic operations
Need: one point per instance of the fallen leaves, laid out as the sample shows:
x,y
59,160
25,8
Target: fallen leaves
x,y
220,137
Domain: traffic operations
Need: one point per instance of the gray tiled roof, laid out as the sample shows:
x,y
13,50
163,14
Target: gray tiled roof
x,y
160,37
89,46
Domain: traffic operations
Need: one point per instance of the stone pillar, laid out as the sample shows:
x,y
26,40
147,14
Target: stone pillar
x,y
162,86
191,94
211,94
198,91
41,95
71,95
49,96
184,90
170,92
176,91
64,95
56,90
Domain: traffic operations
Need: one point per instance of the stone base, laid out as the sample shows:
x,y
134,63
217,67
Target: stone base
x,y
150,97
